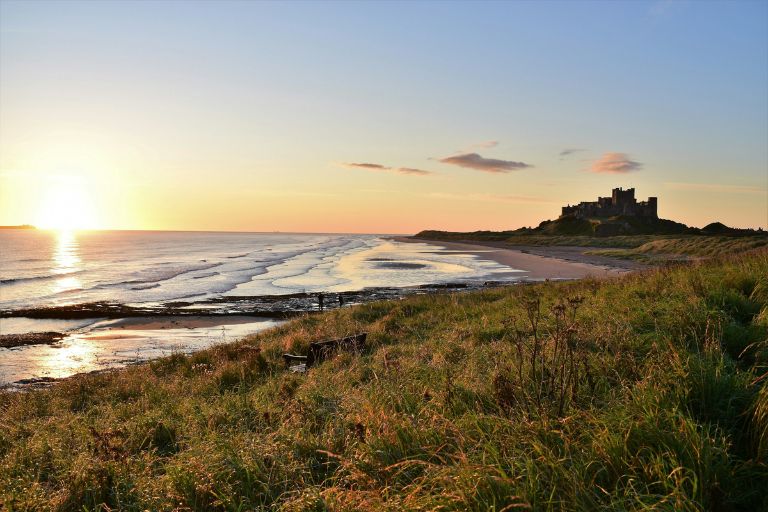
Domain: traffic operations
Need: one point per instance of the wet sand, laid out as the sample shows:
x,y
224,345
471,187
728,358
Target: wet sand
x,y
116,343
547,263
176,322
123,328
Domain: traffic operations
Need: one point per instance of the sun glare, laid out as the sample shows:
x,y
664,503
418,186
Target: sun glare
x,y
66,205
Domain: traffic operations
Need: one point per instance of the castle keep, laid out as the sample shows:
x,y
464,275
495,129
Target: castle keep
x,y
621,202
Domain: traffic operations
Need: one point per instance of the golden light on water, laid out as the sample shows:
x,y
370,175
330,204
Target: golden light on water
x,y
73,356
66,258
66,254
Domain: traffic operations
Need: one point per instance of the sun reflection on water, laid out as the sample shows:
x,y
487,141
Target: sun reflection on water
x,y
66,259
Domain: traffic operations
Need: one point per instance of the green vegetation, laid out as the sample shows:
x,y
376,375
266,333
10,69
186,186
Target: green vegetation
x,y
647,240
571,226
611,226
662,249
643,393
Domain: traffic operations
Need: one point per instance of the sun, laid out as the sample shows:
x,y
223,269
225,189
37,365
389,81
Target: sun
x,y
65,205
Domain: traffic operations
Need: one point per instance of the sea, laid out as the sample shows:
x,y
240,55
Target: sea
x,y
40,269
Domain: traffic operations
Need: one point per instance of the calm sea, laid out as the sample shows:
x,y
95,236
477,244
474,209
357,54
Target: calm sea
x,y
43,268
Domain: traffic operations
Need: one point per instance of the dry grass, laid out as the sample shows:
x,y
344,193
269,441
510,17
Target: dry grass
x,y
690,247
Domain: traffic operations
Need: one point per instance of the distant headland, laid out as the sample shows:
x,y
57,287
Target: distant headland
x,y
22,226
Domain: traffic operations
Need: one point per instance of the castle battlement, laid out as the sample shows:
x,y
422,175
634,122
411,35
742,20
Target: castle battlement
x,y
621,202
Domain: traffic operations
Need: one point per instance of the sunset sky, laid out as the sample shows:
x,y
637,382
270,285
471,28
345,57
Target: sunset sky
x,y
378,117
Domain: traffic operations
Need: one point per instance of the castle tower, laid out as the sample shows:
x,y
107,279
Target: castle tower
x,y
621,197
652,208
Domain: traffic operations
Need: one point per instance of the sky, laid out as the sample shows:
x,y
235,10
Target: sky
x,y
378,117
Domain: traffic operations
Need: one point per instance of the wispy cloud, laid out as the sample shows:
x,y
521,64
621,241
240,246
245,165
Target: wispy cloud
x,y
378,167
569,151
411,170
484,197
716,187
478,163
616,163
375,167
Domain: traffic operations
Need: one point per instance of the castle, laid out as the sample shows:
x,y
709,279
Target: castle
x,y
621,202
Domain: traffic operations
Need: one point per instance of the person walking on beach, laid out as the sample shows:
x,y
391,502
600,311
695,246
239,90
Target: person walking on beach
x,y
320,300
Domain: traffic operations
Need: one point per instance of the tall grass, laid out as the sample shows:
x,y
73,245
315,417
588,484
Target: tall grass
x,y
644,393
649,248
689,246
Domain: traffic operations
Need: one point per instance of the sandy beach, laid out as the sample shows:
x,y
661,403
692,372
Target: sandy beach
x,y
536,266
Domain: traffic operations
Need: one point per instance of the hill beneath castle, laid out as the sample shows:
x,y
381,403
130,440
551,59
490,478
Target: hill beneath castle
x,y
599,227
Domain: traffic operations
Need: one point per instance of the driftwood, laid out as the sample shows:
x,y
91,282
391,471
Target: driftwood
x,y
319,351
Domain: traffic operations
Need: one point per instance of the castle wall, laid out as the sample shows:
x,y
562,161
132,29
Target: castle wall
x,y
621,202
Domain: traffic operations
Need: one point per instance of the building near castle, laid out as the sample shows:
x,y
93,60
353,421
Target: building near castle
x,y
621,202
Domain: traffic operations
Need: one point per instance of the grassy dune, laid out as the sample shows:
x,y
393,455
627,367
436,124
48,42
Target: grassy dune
x,y
643,393
648,248
690,246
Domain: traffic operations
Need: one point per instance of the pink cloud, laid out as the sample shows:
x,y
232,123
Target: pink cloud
x,y
478,163
615,163
412,171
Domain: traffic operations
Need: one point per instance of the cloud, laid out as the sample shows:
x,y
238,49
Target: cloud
x,y
569,151
615,163
715,187
412,171
477,162
378,167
